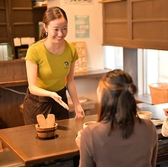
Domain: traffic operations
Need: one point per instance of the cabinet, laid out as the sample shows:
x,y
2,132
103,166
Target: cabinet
x,y
135,23
19,19
5,28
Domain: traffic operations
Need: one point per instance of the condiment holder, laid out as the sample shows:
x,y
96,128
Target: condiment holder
x,y
46,132
46,127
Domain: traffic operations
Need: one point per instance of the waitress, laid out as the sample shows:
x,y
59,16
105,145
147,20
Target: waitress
x,y
50,64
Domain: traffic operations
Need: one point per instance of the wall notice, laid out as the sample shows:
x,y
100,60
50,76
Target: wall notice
x,y
81,65
82,26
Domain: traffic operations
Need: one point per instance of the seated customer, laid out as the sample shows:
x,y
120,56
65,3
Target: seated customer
x,y
119,138
165,124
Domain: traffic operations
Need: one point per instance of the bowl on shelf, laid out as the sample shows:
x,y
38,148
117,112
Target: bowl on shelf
x,y
46,132
144,114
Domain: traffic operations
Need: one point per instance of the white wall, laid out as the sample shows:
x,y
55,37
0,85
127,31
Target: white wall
x,y
94,42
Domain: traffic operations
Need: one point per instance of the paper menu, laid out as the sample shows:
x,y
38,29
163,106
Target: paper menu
x,y
81,65
24,41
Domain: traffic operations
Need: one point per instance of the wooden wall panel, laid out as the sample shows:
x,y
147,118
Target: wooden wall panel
x,y
21,3
13,73
116,31
115,21
12,70
3,32
146,23
150,31
10,115
150,9
23,15
38,14
3,16
23,30
19,18
114,11
5,29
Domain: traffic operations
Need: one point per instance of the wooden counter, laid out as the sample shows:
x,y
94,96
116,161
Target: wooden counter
x,y
60,147
13,73
19,140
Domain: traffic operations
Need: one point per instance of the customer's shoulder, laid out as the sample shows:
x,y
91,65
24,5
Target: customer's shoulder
x,y
146,124
97,128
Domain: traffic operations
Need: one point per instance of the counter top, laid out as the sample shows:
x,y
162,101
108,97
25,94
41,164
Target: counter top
x,y
63,145
45,150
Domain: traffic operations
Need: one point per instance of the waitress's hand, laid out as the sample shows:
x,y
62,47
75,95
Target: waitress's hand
x,y
58,99
166,111
79,112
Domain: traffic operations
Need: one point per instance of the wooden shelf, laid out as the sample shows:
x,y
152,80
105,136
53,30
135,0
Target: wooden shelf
x,y
13,83
90,74
22,8
14,73
145,30
43,6
3,24
107,1
19,19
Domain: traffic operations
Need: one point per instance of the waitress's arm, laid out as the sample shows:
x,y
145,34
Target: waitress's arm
x,y
73,93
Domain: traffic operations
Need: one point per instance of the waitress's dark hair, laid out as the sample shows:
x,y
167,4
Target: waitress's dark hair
x,y
50,14
118,104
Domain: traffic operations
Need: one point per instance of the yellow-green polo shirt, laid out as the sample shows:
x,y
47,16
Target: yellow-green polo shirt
x,y
52,69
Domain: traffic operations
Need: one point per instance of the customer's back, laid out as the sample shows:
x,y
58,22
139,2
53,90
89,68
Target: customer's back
x,y
120,138
140,150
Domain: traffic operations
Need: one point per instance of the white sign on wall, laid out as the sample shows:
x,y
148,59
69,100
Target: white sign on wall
x,y
78,1
81,26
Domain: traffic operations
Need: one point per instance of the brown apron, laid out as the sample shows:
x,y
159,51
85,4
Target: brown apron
x,y
34,105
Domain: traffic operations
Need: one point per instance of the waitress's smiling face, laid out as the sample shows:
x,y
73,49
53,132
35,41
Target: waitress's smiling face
x,y
57,30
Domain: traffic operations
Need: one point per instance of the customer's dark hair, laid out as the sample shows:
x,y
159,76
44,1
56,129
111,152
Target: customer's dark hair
x,y
118,104
50,14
